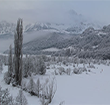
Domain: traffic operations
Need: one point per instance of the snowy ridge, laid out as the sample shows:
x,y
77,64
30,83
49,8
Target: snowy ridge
x,y
6,28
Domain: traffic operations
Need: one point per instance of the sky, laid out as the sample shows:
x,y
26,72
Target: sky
x,y
51,10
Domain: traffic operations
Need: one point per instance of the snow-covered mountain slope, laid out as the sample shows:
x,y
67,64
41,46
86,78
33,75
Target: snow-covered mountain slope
x,y
44,41
6,28
92,42
40,36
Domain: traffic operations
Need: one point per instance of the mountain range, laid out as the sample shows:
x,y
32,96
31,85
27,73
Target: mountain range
x,y
70,22
91,42
82,36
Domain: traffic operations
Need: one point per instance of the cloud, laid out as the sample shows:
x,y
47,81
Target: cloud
x,y
52,10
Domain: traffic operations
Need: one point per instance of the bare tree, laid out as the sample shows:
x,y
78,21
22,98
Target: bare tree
x,y
50,90
38,87
18,51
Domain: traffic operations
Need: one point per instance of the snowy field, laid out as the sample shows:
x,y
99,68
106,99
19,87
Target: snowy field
x,y
92,88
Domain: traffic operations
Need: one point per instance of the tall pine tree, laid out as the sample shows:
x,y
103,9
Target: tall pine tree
x,y
10,62
18,40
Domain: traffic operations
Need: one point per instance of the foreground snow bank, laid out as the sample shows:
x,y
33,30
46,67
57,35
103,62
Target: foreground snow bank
x,y
82,89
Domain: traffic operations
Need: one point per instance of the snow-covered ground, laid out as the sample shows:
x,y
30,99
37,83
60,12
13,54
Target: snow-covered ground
x,y
77,89
84,89
51,49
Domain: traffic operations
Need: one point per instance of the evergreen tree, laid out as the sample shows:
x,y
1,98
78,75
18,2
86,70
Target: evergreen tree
x,y
8,76
1,66
5,98
31,87
21,99
18,39
10,62
25,67
28,66
38,87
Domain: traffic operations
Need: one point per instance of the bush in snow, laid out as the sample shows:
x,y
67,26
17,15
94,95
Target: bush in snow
x,y
43,100
76,71
21,99
34,65
48,66
28,66
38,87
49,91
41,68
23,84
64,62
68,71
5,98
76,61
45,91
56,73
108,64
91,66
79,70
31,87
61,70
7,78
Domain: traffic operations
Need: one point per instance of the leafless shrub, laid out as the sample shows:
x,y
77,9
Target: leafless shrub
x,y
79,70
38,87
43,100
48,92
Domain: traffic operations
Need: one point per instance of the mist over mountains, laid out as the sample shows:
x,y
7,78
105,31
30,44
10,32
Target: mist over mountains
x,y
77,33
69,21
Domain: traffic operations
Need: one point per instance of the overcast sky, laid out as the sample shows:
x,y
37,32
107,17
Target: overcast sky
x,y
43,10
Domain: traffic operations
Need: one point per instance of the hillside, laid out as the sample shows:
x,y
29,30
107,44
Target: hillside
x,y
90,43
